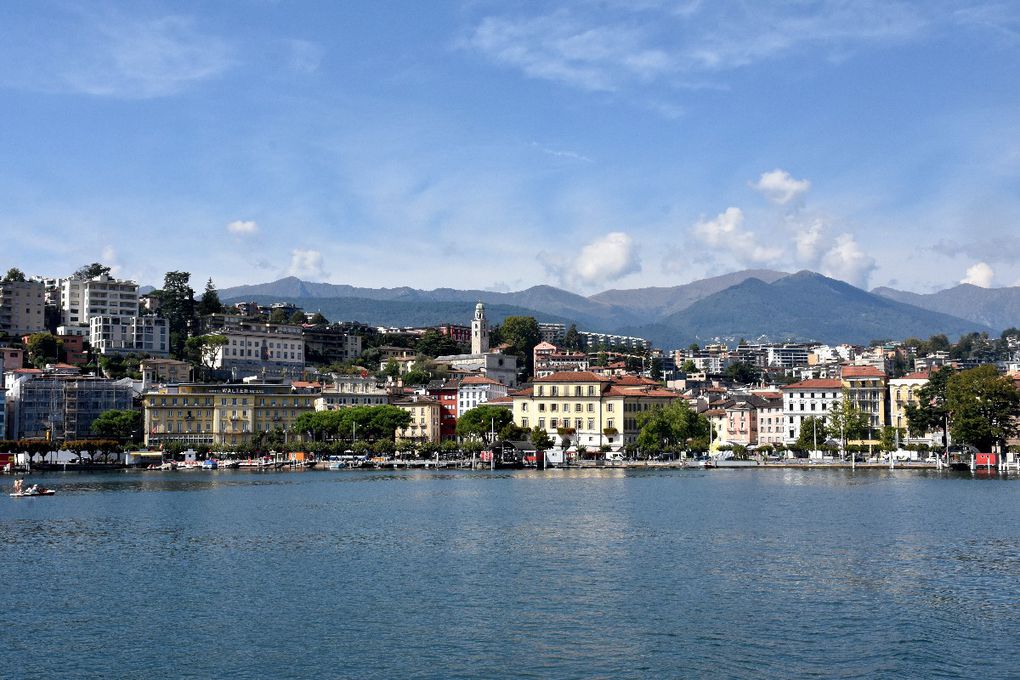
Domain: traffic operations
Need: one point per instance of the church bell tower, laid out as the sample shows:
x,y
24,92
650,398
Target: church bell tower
x,y
479,331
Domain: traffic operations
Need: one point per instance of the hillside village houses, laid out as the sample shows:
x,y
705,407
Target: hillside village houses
x,y
275,371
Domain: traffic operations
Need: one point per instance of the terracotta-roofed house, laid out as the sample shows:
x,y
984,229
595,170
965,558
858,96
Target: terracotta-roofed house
x,y
586,409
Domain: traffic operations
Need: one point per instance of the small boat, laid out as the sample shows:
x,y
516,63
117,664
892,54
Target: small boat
x,y
30,493
210,464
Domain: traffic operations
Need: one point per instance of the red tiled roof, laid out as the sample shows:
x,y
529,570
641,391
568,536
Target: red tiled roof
x,y
916,375
862,372
479,380
616,391
573,376
815,383
633,380
501,400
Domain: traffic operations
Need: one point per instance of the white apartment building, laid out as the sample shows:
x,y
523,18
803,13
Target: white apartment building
x,y
352,390
808,398
264,348
80,300
475,390
127,334
22,307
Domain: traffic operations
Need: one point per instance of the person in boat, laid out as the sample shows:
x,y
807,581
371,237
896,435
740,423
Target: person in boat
x,y
17,485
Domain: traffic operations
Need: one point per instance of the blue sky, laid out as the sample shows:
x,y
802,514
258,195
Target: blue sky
x,y
591,145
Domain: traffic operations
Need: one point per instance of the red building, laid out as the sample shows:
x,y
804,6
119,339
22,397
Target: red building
x,y
459,334
446,395
74,349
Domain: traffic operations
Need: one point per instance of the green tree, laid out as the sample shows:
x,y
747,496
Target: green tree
x,y
572,339
390,370
889,438
118,366
433,344
210,301
656,369
177,305
847,421
930,412
43,348
521,333
670,427
14,275
318,320
479,421
278,316
201,350
91,271
354,423
983,407
122,425
540,439
741,372
297,318
690,367
811,430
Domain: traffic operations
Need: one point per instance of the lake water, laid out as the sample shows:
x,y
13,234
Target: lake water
x,y
721,573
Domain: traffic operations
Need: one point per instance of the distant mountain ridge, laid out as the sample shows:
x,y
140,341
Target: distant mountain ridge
x,y
800,307
995,307
748,304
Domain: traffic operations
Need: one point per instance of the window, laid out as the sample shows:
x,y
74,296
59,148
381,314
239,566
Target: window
x,y
541,423
524,423
591,407
609,407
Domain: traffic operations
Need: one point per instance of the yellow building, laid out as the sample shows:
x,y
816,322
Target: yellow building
x,y
587,409
424,424
866,388
903,391
221,414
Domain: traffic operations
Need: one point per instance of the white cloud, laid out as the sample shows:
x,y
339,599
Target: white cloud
x,y
608,258
109,258
979,274
104,52
846,260
610,46
243,227
809,241
305,56
726,232
306,264
779,187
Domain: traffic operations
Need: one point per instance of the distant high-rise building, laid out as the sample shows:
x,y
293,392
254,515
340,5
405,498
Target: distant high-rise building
x,y
22,307
103,295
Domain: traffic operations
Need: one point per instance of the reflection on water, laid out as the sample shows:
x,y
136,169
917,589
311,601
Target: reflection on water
x,y
568,573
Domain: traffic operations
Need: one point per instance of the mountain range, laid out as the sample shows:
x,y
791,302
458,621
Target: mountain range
x,y
753,304
995,307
